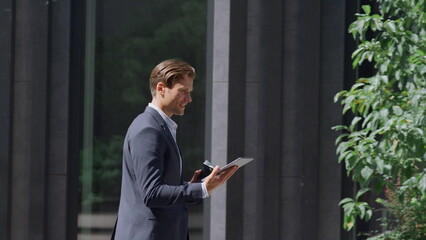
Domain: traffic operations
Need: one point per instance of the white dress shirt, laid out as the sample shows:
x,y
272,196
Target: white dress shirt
x,y
172,126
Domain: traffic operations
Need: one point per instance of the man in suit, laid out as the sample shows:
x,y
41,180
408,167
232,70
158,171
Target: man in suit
x,y
154,198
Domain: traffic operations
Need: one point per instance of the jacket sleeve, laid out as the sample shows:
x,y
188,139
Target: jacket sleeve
x,y
147,149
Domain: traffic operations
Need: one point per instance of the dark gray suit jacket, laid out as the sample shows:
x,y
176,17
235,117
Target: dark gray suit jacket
x,y
154,199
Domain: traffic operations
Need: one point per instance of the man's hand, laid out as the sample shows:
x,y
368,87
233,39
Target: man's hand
x,y
196,177
214,180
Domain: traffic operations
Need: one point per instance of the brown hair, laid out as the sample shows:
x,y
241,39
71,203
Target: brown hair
x,y
168,72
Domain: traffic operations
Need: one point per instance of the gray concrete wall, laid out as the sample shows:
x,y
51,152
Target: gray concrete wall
x,y
285,65
273,68
38,60
28,188
217,127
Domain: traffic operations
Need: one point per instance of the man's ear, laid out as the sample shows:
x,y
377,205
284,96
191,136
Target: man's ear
x,y
161,88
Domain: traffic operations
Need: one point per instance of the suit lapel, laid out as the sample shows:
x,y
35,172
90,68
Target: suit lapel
x,y
166,130
169,134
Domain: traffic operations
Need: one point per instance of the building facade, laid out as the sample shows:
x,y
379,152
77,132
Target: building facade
x,y
272,70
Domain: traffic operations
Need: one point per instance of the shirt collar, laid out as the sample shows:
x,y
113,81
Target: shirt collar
x,y
170,123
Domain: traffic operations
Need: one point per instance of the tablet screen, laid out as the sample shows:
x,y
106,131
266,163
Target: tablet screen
x,y
237,162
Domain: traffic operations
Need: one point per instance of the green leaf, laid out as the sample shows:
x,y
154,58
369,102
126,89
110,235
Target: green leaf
x,y
422,184
390,26
351,161
357,52
348,208
339,127
380,165
353,28
414,38
367,9
343,146
339,139
338,95
384,114
346,108
368,215
384,66
343,155
361,192
345,201
366,172
398,74
356,61
349,222
361,209
397,110
354,122
357,85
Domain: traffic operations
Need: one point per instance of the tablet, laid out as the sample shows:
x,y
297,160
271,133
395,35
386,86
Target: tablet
x,y
237,162
208,166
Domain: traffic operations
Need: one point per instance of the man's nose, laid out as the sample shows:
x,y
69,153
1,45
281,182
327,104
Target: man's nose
x,y
188,98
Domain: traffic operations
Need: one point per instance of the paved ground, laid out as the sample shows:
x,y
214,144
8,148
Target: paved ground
x,y
102,225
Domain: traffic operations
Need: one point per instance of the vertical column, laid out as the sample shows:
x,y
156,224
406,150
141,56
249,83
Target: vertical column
x,y
252,187
272,109
300,109
218,70
89,91
236,116
332,74
28,189
57,175
6,76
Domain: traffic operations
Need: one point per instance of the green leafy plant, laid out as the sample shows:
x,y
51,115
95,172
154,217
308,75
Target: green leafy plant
x,y
105,177
353,208
384,146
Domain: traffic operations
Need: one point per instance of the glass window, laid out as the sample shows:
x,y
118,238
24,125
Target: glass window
x,y
124,41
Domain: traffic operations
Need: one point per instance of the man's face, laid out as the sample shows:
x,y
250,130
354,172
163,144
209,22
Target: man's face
x,y
176,98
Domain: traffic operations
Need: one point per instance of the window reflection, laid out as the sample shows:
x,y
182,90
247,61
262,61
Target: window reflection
x,y
124,41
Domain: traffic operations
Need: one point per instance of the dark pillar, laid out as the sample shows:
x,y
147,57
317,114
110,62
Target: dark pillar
x,y
6,76
57,173
333,32
237,76
76,99
270,116
299,125
28,205
39,84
